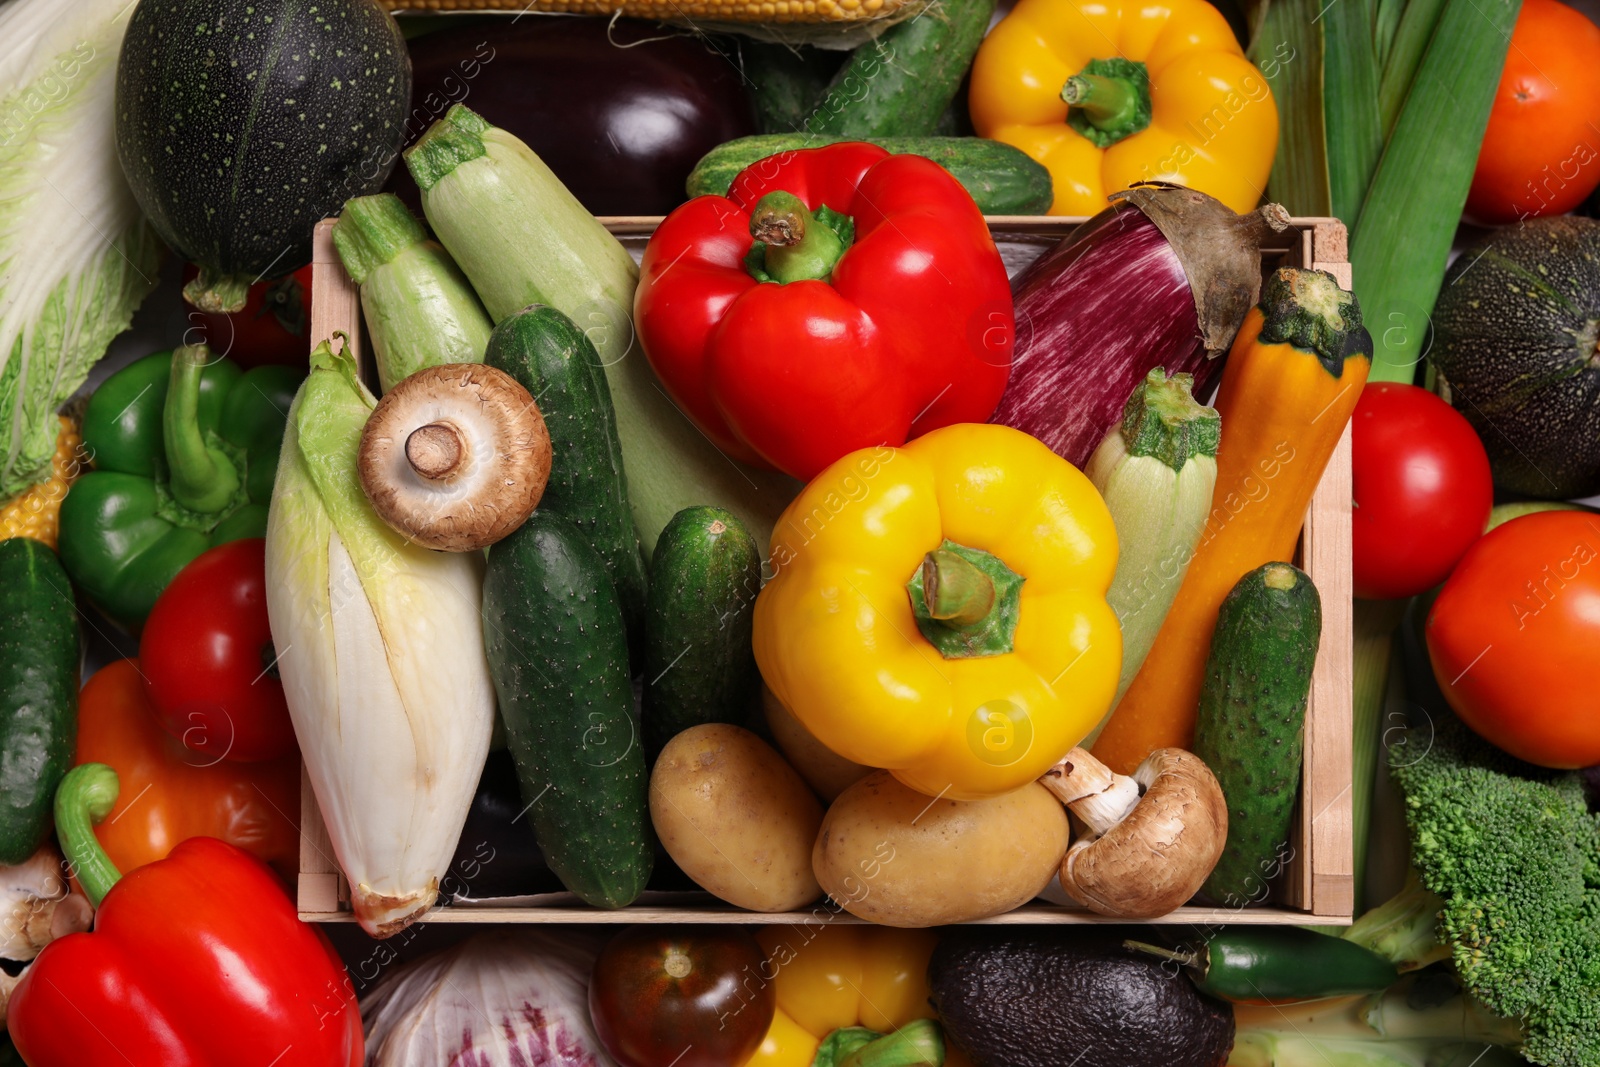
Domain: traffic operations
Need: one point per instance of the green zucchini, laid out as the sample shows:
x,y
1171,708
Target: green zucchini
x,y
418,308
699,666
901,83
38,692
522,238
557,650
553,360
1156,470
1252,711
1002,180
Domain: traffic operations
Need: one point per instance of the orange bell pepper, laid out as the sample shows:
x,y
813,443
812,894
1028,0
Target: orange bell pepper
x,y
170,794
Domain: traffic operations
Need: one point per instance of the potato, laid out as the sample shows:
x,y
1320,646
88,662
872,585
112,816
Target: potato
x,y
891,855
736,818
824,770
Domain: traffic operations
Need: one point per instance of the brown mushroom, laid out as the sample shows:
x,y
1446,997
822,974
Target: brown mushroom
x,y
455,457
1149,841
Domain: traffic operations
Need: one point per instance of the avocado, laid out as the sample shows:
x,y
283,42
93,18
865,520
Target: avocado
x,y
1051,996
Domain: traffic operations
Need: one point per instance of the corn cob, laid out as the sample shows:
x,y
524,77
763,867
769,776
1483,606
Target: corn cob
x,y
742,11
36,513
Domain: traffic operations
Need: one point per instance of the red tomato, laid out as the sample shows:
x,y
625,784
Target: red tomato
x,y
1513,635
1541,151
686,996
207,658
273,327
1422,490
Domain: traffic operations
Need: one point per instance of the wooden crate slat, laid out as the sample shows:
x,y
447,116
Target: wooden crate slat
x,y
1318,886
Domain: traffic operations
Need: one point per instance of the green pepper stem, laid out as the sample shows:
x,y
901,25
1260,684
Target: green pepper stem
x,y
916,1044
201,478
798,246
958,593
1187,959
1109,99
86,795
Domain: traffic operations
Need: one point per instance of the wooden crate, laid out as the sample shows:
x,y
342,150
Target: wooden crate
x,y
1318,887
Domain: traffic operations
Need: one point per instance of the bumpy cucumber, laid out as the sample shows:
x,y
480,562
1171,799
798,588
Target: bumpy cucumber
x,y
901,83
1002,180
38,692
699,666
558,653
551,358
1252,711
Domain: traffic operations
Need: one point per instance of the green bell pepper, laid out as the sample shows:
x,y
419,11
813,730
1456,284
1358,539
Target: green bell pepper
x,y
185,448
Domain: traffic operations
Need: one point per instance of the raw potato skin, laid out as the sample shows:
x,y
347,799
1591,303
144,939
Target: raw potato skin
x,y
825,771
889,855
736,818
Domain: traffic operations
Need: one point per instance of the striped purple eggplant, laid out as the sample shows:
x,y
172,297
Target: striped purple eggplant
x,y
1162,278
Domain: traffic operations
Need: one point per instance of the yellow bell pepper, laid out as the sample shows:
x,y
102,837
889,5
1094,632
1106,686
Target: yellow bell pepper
x,y
1160,91
980,687
837,975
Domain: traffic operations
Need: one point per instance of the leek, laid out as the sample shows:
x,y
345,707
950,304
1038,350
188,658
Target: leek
x,y
522,238
1401,242
380,648
77,256
1156,472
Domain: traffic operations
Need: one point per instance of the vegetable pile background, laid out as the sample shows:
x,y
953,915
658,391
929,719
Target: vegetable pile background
x,y
785,553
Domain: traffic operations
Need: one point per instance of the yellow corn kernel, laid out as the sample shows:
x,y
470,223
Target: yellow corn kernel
x,y
36,513
760,11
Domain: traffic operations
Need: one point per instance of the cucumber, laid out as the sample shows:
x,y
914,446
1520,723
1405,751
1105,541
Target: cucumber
x,y
38,692
901,83
555,362
1002,179
786,81
1252,711
557,650
699,665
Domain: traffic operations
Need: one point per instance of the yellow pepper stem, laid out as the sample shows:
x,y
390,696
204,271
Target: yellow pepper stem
x,y
965,601
958,593
1108,100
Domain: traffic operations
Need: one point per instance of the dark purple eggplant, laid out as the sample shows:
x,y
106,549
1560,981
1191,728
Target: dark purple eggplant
x,y
497,856
620,111
1162,278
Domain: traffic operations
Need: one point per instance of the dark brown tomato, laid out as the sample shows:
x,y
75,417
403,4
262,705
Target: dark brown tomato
x,y
689,996
621,114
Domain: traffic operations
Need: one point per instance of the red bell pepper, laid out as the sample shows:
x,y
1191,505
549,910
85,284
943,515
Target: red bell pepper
x,y
197,960
793,335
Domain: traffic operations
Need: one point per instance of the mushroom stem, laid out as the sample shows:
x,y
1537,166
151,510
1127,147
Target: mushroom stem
x,y
435,451
1094,792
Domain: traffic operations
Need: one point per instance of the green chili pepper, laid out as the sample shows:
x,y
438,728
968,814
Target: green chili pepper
x,y
1278,965
185,448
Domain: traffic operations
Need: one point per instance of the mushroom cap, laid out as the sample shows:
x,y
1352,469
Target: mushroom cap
x,y
455,457
1158,856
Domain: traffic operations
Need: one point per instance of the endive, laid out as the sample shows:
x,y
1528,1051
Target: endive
x,y
380,647
1156,471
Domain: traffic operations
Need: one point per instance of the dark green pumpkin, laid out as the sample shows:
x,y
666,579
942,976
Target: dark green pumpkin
x,y
242,123
1516,330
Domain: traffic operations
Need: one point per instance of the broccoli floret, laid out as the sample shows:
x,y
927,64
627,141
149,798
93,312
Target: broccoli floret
x,y
1512,856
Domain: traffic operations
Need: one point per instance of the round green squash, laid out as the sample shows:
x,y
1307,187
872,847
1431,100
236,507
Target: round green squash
x,y
1517,351
242,123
